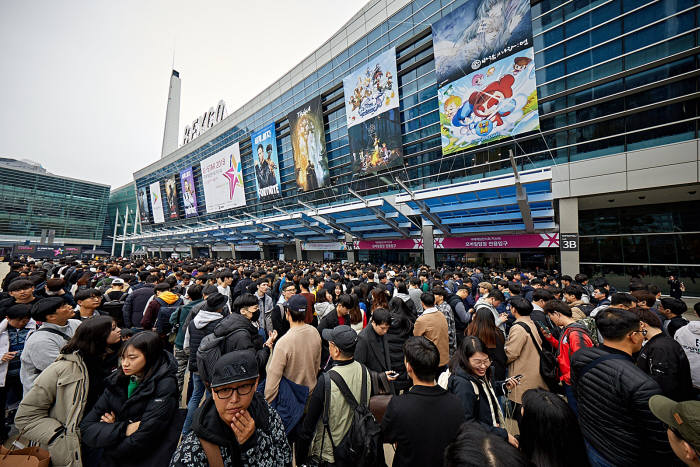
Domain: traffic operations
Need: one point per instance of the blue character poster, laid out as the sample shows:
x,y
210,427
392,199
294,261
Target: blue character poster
x,y
489,104
267,172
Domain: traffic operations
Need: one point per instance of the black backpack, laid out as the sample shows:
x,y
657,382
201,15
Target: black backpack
x,y
549,368
586,308
362,444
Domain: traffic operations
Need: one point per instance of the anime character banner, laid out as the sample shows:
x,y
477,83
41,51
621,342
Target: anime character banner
x,y
171,197
143,204
267,172
157,203
189,194
372,89
484,107
309,145
222,179
376,143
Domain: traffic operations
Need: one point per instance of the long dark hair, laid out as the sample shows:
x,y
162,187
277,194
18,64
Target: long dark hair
x,y
550,435
90,338
150,345
484,327
469,346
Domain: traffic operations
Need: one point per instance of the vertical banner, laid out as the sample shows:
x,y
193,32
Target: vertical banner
x,y
309,145
484,61
372,112
171,197
267,172
157,203
143,204
222,179
189,195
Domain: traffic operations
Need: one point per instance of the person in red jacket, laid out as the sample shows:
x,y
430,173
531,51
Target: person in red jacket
x,y
573,337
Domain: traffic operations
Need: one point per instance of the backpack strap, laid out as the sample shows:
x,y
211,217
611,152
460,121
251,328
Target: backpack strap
x,y
54,331
527,329
327,409
212,452
601,359
347,393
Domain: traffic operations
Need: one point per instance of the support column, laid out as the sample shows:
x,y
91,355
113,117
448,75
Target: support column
x,y
126,224
192,251
297,244
114,235
233,250
568,223
351,253
160,253
211,253
262,250
428,245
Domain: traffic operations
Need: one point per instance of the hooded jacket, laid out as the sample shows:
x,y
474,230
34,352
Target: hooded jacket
x,y
201,325
135,304
51,411
322,309
266,447
150,315
689,338
153,403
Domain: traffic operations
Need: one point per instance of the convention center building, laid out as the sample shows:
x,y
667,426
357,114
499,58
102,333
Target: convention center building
x,y
553,134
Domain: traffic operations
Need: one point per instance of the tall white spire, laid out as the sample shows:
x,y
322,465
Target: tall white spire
x,y
172,116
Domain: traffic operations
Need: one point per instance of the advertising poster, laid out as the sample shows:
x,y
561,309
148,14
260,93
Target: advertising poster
x,y
376,143
171,196
485,67
309,145
157,203
143,204
189,195
267,171
371,89
222,179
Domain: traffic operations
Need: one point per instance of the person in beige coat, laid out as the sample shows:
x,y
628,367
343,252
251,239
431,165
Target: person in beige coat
x,y
522,355
51,412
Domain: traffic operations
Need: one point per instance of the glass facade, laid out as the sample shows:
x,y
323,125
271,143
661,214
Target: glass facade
x,y
613,75
119,200
653,241
32,201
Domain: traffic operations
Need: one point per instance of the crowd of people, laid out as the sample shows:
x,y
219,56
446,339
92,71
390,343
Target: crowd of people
x,y
200,362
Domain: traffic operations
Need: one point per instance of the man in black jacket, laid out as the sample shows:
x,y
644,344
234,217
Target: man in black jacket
x,y
373,347
426,418
136,302
613,396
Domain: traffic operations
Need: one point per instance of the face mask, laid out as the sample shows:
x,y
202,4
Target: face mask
x,y
255,316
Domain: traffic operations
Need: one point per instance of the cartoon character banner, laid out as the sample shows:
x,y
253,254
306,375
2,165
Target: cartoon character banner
x,y
479,33
189,195
267,172
143,204
157,203
372,89
171,197
376,143
222,179
309,145
487,106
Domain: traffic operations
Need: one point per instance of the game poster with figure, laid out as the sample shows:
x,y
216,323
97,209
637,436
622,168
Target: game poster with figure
x,y
309,146
371,89
376,143
489,105
143,204
171,197
222,180
266,163
189,194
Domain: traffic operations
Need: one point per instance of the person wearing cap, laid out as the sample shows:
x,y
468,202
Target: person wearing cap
x,y
342,341
296,359
116,290
43,346
236,426
682,420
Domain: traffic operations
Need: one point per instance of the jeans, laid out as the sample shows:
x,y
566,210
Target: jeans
x,y
192,405
570,398
595,458
181,357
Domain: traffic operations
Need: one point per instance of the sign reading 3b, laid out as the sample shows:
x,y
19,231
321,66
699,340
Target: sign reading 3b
x,y
568,242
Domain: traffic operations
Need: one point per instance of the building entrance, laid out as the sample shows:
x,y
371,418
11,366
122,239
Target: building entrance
x,y
529,259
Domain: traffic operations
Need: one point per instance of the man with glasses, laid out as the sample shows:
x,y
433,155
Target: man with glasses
x,y
613,396
683,422
235,426
88,302
279,313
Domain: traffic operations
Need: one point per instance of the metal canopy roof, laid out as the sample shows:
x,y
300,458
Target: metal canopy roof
x,y
478,206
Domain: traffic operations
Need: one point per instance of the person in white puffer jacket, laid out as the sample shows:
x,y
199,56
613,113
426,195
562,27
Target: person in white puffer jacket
x,y
689,338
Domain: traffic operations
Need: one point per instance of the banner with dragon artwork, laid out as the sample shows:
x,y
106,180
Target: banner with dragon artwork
x,y
484,61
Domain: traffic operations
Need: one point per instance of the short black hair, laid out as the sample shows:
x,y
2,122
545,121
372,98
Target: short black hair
x,y
194,292
20,284
521,305
84,294
381,316
244,301
674,305
497,295
575,290
616,323
514,288
427,299
622,298
542,294
474,446
557,306
423,356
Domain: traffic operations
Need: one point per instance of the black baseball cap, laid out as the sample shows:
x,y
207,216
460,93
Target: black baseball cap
x,y
233,367
344,337
297,303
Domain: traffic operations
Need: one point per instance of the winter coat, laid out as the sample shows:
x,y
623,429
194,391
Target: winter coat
x,y
372,350
51,411
266,447
479,401
689,338
180,318
135,305
664,360
523,358
329,321
5,346
150,314
204,323
153,403
613,405
322,309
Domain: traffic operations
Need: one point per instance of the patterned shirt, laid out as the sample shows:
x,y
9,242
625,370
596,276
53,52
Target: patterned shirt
x,y
446,310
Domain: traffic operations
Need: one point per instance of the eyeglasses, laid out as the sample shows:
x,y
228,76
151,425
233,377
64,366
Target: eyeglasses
x,y
226,393
481,363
